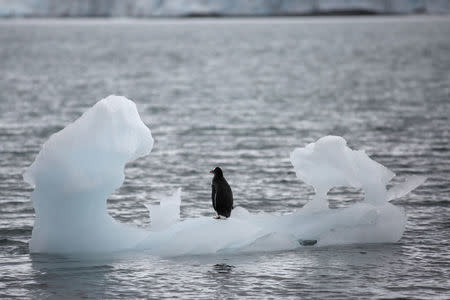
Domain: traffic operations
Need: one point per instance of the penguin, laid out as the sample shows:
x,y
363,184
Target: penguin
x,y
221,196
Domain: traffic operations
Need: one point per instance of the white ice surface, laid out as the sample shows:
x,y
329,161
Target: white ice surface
x,y
166,213
405,187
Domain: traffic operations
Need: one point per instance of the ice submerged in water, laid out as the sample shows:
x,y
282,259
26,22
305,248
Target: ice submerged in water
x,y
81,165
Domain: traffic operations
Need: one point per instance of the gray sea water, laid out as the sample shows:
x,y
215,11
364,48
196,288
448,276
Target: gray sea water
x,y
241,94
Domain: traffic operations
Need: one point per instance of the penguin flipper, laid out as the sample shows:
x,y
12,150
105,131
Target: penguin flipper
x,y
213,196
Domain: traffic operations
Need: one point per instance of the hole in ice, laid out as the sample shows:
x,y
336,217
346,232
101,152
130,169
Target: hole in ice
x,y
344,196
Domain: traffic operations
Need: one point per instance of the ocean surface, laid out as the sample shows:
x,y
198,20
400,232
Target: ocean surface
x,y
240,94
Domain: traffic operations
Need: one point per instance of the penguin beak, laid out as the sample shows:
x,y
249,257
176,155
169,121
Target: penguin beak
x,y
211,172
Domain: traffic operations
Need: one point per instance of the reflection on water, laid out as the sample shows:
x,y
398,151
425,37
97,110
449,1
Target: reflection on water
x,y
223,279
65,276
223,268
326,271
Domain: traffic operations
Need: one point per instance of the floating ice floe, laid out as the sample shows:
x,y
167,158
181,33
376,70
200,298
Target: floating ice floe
x,y
81,165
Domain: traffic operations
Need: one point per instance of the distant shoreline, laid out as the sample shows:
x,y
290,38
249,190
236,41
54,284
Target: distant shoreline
x,y
225,20
216,8
349,13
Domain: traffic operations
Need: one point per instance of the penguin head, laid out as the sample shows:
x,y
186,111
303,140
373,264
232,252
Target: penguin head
x,y
217,172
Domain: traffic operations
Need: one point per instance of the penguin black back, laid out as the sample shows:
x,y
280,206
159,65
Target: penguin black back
x,y
221,194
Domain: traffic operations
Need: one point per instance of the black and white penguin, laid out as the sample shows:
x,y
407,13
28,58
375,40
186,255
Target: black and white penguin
x,y
222,196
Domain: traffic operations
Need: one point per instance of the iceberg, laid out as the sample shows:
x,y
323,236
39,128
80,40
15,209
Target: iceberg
x,y
75,172
81,165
